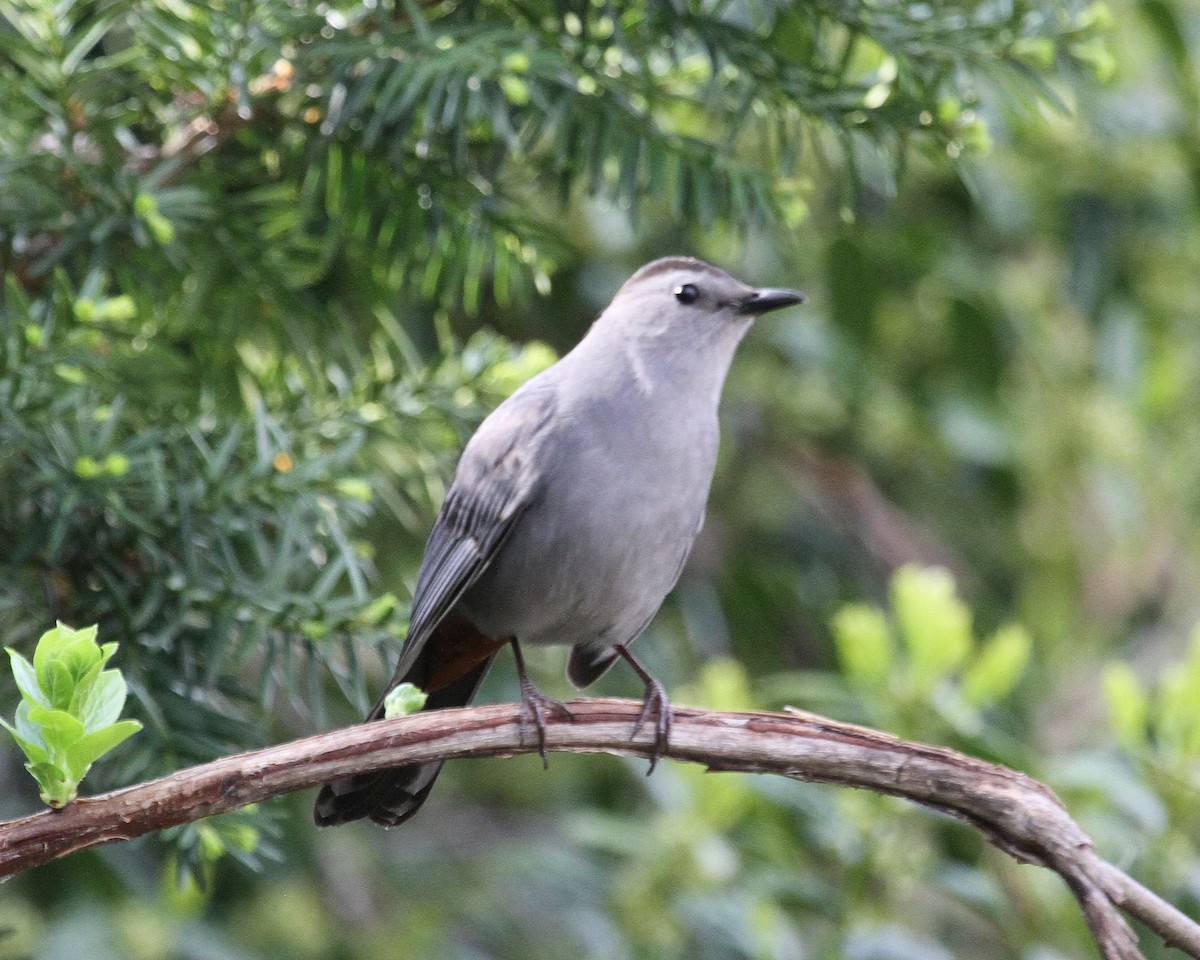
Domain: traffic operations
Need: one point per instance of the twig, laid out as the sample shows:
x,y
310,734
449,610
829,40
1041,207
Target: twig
x,y
1017,814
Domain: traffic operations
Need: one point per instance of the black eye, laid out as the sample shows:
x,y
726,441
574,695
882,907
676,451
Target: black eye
x,y
686,293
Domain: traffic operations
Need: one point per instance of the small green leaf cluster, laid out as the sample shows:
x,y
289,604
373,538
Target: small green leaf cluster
x,y
1160,721
196,850
936,651
404,699
68,715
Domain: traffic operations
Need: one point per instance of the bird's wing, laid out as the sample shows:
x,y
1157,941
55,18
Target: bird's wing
x,y
496,480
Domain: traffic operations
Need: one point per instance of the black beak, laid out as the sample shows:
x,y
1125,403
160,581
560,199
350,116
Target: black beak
x,y
760,301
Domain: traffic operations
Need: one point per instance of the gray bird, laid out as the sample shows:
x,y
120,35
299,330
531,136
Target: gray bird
x,y
572,511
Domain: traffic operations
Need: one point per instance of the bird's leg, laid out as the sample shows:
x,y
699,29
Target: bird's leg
x,y
656,702
535,704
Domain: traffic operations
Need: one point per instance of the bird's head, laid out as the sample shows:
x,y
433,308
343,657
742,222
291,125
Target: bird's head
x,y
683,296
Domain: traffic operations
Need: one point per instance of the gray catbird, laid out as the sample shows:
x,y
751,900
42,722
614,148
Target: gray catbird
x,y
572,511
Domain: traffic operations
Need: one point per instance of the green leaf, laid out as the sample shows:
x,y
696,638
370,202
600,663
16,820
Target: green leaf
x,y
48,645
92,747
403,700
242,836
515,89
1176,718
104,702
517,62
1177,712
34,752
27,682
62,659
864,643
27,728
1128,705
59,729
354,487
934,623
378,610
57,683
145,205
999,666
84,684
87,467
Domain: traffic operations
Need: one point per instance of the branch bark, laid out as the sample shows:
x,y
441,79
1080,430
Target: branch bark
x,y
1014,812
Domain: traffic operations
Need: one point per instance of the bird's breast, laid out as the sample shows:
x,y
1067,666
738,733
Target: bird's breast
x,y
601,545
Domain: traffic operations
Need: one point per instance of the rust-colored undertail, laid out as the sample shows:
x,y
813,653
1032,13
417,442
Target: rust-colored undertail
x,y
449,668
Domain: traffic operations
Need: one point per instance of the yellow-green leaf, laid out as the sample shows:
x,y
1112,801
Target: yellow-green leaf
x,y
999,666
864,643
934,623
1127,704
403,700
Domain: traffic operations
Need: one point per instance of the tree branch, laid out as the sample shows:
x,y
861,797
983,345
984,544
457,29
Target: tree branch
x,y
1019,815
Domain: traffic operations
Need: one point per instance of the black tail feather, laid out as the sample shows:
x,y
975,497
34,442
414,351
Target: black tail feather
x,y
390,797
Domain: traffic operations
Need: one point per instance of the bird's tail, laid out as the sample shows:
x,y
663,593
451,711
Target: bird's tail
x,y
456,651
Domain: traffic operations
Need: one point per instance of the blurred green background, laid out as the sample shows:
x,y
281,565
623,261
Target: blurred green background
x,y
267,264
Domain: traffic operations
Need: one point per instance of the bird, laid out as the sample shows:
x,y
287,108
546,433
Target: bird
x,y
571,513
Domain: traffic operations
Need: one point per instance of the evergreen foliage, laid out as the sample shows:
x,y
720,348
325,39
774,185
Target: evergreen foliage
x,y
225,224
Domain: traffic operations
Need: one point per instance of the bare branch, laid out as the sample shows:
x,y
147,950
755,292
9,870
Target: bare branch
x,y
1017,814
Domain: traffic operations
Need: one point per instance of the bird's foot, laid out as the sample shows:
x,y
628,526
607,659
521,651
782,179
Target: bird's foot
x,y
657,705
535,705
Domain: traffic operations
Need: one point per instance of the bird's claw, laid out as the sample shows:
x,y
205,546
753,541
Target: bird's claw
x,y
656,703
534,707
